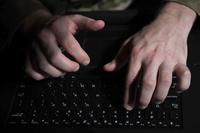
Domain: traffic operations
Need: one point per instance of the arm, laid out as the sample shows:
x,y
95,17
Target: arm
x,y
44,58
159,50
12,14
193,4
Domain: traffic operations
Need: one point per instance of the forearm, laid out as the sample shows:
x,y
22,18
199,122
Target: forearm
x,y
13,13
183,15
193,4
34,21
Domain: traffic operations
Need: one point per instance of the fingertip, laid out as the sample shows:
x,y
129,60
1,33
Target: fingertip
x,y
86,62
39,77
185,80
109,67
36,76
76,68
142,107
157,100
128,107
98,24
188,76
73,67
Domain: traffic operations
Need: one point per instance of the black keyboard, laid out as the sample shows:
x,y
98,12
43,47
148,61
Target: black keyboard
x,y
73,101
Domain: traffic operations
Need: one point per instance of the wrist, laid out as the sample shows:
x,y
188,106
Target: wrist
x,y
34,21
180,14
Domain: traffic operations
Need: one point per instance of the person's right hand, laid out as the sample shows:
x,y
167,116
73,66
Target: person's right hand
x,y
45,58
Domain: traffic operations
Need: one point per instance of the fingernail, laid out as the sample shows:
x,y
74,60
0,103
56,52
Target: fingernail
x,y
128,107
86,62
110,65
158,102
142,107
76,69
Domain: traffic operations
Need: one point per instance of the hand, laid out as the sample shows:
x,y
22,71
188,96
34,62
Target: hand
x,y
46,59
159,49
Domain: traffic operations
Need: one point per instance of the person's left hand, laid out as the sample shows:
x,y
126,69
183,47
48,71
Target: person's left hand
x,y
159,49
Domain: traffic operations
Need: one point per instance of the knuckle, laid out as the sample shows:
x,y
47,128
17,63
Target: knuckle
x,y
148,84
136,51
71,47
54,57
166,81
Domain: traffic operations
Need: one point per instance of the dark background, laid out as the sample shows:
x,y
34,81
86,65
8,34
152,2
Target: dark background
x,y
11,66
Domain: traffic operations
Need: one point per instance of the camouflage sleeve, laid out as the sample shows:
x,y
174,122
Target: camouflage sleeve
x,y
61,6
193,4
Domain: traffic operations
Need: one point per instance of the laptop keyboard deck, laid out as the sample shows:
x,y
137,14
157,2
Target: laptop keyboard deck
x,y
74,101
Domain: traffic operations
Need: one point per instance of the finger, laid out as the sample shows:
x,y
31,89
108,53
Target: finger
x,y
163,84
54,55
73,48
44,65
31,71
120,59
184,75
148,83
133,70
87,23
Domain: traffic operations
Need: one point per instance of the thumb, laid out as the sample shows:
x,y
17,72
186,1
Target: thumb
x,y
121,58
119,61
83,22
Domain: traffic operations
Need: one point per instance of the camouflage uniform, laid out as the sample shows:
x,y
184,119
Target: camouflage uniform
x,y
59,6
193,4
93,5
13,12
